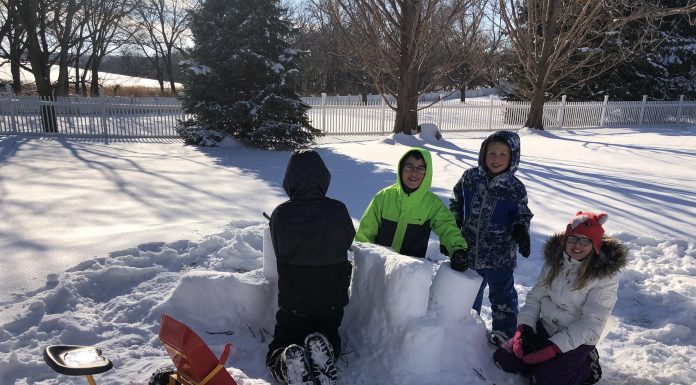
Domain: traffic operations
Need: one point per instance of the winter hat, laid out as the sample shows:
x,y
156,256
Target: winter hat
x,y
588,224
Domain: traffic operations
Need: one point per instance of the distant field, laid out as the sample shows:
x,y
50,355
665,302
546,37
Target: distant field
x,y
109,81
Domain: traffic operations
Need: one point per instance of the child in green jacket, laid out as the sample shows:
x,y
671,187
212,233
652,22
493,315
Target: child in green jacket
x,y
402,215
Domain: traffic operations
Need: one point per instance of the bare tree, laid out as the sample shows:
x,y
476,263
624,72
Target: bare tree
x,y
12,31
162,26
555,41
50,35
475,36
103,19
394,41
66,33
326,68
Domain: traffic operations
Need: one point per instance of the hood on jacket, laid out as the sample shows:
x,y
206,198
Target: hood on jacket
x,y
427,178
306,177
512,140
612,258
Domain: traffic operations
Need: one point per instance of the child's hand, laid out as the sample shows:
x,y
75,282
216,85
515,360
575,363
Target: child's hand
x,y
458,261
542,355
521,236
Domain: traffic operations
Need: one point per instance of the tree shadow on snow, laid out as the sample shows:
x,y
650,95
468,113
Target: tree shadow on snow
x,y
353,182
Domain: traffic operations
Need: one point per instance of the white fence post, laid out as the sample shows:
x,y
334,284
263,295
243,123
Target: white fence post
x,y
561,112
490,113
104,118
323,111
439,112
604,111
13,113
382,115
679,109
642,110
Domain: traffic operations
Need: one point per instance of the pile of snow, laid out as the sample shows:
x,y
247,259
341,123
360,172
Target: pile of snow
x,y
395,327
401,325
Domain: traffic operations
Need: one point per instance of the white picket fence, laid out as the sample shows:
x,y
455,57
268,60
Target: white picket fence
x,y
345,115
84,116
341,117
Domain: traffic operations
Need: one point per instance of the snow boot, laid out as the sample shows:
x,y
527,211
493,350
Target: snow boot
x,y
497,338
321,359
595,368
294,366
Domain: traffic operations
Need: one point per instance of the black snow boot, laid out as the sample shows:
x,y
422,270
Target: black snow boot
x,y
322,363
294,366
595,368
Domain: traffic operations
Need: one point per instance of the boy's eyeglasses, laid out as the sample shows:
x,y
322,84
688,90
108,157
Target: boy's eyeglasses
x,y
408,167
582,240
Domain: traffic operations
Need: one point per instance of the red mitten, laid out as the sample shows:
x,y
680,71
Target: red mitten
x,y
517,340
541,355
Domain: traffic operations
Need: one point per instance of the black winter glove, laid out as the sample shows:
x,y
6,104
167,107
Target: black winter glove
x,y
443,250
533,342
521,236
458,261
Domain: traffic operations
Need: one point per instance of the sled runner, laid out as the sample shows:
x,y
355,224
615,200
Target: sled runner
x,y
75,360
194,361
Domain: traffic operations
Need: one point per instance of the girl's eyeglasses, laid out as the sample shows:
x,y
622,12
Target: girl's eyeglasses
x,y
582,240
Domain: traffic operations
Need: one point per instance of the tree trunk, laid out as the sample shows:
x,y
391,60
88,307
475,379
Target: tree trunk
x,y
94,83
406,113
16,79
536,110
15,49
407,100
63,85
170,70
39,66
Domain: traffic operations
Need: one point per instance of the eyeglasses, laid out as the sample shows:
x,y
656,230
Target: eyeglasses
x,y
582,240
408,167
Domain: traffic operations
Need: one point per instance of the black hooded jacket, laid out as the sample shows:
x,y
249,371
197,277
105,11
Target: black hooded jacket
x,y
311,236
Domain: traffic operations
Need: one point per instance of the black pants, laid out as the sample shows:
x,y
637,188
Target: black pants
x,y
292,329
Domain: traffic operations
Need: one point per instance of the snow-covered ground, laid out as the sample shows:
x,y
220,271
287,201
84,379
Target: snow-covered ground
x,y
106,79
98,238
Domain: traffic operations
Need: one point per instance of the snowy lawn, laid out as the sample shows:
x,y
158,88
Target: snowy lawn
x,y
98,238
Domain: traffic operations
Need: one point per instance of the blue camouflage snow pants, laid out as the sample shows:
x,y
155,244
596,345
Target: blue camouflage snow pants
x,y
503,297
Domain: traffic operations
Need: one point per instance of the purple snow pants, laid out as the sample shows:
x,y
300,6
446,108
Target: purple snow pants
x,y
569,368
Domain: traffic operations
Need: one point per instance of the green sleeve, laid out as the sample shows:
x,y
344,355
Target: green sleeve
x,y
446,228
370,221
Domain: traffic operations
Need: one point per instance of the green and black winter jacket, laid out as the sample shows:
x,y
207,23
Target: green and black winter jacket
x,y
403,221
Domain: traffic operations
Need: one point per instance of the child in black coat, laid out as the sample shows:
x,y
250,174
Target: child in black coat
x,y
311,235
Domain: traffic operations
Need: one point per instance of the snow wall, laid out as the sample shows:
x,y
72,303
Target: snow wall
x,y
406,316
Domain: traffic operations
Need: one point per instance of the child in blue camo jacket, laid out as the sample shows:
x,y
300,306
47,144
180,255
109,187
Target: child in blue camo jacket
x,y
490,206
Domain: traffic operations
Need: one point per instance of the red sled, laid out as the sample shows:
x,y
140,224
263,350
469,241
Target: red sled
x,y
194,361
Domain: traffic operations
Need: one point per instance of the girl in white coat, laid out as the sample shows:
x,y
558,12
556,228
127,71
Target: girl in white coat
x,y
566,311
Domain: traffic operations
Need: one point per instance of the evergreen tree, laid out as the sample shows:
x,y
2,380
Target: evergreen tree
x,y
665,72
241,75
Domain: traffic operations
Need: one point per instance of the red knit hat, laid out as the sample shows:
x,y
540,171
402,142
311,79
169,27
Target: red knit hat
x,y
590,225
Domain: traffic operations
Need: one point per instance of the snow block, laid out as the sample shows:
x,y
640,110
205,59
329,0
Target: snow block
x,y
388,291
396,283
453,292
421,348
270,266
221,300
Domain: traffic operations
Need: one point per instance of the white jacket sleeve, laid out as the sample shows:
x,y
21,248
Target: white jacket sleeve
x,y
597,308
531,310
